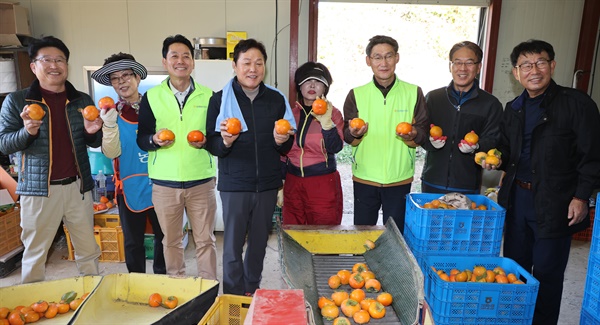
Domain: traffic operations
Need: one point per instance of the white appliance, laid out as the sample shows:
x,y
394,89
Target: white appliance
x,y
214,74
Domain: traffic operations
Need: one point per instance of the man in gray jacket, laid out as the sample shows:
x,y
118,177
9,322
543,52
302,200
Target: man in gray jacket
x,y
54,170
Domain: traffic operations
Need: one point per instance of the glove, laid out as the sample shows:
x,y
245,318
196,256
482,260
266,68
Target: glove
x,y
325,119
465,147
109,117
280,198
437,143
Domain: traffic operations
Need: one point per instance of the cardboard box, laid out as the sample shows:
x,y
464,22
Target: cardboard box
x,y
232,39
14,20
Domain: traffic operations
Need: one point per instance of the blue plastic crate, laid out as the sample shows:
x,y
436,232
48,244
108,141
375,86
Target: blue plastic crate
x,y
479,303
454,224
587,318
595,245
591,293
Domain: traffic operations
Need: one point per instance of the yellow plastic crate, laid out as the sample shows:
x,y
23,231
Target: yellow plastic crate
x,y
110,240
227,310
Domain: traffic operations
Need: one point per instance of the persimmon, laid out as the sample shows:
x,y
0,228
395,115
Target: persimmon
x,y
324,301
492,160
155,300
501,278
233,125
435,131
377,309
444,276
4,311
511,277
365,303
359,267
356,281
319,106
103,199
90,113
490,276
461,277
40,306
350,307
339,296
51,311
499,270
4,321
171,302
479,270
472,138
344,276
361,317
36,112
385,298
31,316
358,295
75,303
372,285
367,275
63,307
479,157
166,135
403,128
101,206
356,123
106,102
282,126
195,136
108,206
494,152
518,282
369,244
341,321
330,312
16,318
334,281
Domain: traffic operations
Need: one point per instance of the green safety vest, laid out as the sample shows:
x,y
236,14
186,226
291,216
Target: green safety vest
x,y
382,157
180,162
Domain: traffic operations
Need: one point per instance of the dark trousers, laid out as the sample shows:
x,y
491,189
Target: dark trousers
x,y
134,228
546,258
368,199
245,215
430,189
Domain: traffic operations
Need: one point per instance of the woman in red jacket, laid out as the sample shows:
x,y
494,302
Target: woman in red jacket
x,y
313,192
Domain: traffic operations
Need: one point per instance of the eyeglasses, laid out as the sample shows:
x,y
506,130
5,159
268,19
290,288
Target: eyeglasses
x,y
378,58
460,64
47,61
541,64
125,77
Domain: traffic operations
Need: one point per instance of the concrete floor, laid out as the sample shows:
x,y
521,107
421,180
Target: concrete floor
x,y
59,267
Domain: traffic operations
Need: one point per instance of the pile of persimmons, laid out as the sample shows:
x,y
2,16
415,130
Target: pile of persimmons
x,y
478,274
41,309
437,204
354,305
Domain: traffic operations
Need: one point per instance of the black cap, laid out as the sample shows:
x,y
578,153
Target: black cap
x,y
312,70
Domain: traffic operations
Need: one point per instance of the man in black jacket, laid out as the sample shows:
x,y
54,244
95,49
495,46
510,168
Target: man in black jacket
x,y
551,156
249,164
458,109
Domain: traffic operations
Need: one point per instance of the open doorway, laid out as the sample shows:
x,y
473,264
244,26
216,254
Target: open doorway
x,y
425,34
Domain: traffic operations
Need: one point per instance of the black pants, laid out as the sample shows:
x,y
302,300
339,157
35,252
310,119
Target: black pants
x,y
134,228
368,199
245,214
545,258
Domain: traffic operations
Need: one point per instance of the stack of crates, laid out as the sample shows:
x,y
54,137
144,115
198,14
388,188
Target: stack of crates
x,y
109,236
590,307
452,231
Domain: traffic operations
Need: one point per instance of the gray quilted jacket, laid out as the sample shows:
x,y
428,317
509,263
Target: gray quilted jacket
x,y
33,152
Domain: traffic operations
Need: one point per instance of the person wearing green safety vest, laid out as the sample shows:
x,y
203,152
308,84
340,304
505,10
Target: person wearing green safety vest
x,y
182,172
383,157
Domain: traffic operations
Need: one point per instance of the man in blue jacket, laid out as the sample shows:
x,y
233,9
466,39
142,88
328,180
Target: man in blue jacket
x,y
551,156
55,180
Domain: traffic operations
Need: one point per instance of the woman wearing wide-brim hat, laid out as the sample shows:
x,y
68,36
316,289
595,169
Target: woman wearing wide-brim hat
x,y
133,188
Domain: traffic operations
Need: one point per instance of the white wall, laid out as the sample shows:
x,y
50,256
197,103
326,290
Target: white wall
x,y
95,29
555,21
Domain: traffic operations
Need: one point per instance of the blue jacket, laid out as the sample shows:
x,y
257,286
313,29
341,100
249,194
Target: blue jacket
x,y
33,152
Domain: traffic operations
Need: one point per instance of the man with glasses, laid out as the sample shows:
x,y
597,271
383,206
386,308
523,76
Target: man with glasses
x,y
182,172
55,180
384,161
459,108
551,155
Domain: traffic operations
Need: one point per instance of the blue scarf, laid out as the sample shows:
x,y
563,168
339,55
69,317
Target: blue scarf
x,y
231,108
